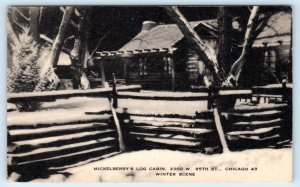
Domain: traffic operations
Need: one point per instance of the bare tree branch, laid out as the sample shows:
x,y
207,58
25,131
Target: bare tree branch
x,y
62,9
249,8
259,27
34,19
21,14
12,37
69,38
47,39
17,23
77,13
13,18
41,13
99,42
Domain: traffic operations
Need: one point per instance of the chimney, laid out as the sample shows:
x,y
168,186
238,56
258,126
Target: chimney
x,y
148,25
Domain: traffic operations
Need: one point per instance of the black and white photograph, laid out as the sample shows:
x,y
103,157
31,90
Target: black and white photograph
x,y
164,94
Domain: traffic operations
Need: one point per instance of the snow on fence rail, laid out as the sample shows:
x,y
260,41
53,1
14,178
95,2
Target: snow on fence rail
x,y
183,96
273,92
52,95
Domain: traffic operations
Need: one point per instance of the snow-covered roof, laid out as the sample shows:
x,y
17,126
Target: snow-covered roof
x,y
278,29
163,36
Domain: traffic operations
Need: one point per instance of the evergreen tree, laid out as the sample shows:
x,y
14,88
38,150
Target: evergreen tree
x,y
24,74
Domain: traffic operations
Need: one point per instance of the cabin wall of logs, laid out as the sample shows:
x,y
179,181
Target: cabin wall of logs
x,y
96,136
154,69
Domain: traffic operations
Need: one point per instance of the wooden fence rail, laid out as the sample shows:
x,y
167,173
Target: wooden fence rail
x,y
52,95
276,92
182,96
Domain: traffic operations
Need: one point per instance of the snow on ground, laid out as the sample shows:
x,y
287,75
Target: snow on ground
x,y
263,165
60,111
289,85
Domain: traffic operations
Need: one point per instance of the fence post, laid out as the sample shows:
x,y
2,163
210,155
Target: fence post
x,y
102,73
215,101
113,105
284,91
114,92
212,103
258,99
209,99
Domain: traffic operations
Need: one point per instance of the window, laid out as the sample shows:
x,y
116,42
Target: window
x,y
270,60
142,64
167,61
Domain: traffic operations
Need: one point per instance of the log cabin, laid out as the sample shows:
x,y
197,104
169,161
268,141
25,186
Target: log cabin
x,y
159,57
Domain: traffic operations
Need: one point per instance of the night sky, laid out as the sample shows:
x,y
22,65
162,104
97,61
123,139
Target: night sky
x,y
127,21
124,22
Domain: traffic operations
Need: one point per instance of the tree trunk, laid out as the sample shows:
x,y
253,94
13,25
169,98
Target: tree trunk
x,y
58,42
224,40
237,66
34,16
79,53
206,52
208,56
49,80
